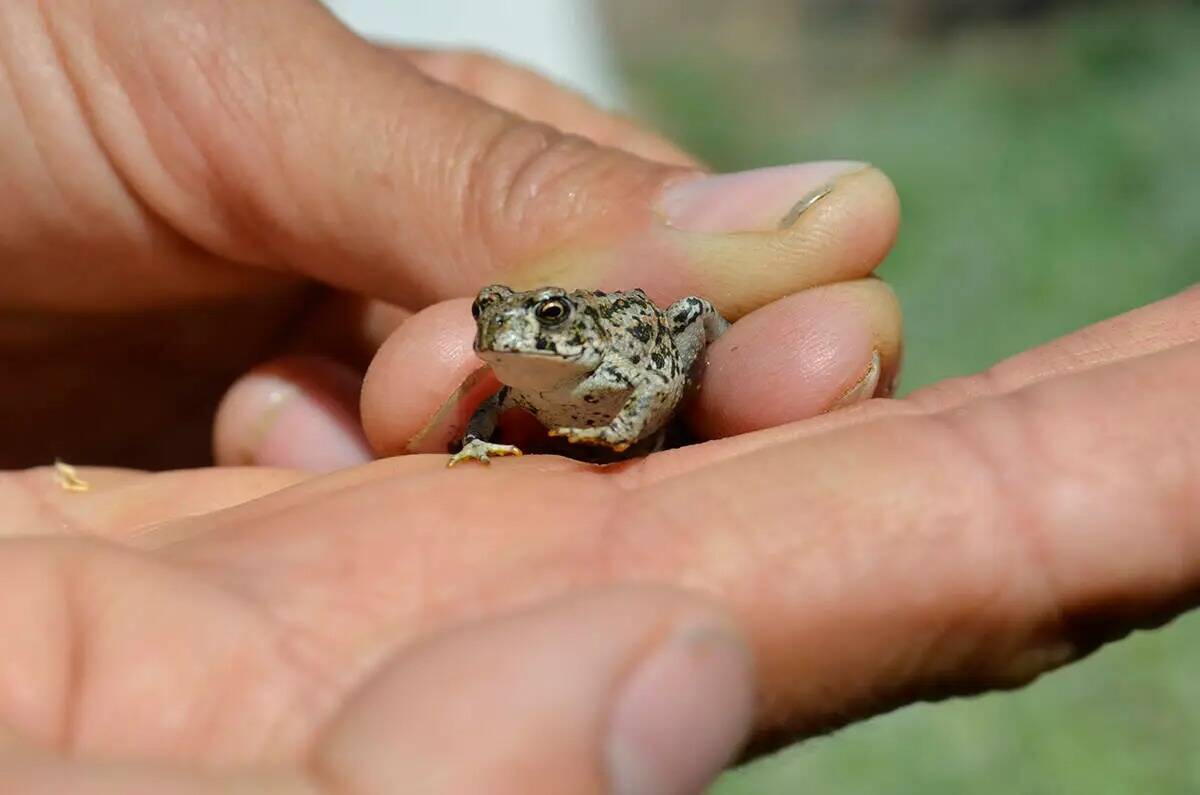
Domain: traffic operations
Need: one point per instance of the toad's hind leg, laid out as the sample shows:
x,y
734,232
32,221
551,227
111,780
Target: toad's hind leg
x,y
695,323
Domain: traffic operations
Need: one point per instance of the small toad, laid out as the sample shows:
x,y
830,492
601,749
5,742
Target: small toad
x,y
605,369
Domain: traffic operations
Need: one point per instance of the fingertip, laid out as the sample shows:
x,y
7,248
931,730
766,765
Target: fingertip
x,y
799,357
424,382
295,413
606,683
839,235
740,240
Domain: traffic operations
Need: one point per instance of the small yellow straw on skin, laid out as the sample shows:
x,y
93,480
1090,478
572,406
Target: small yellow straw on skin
x,y
68,478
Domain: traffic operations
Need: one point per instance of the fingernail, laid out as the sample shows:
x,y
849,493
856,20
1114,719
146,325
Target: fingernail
x,y
682,716
293,428
864,388
762,200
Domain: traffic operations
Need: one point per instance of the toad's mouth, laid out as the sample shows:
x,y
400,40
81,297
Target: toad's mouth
x,y
515,352
499,351
518,368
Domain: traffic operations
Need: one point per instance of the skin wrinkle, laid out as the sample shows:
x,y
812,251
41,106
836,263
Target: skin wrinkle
x,y
1012,512
63,577
297,648
532,191
87,112
192,83
62,69
183,136
300,653
311,691
984,597
633,551
132,219
579,570
477,187
78,660
563,167
20,104
428,604
527,93
517,185
1174,464
1069,625
47,610
214,68
456,157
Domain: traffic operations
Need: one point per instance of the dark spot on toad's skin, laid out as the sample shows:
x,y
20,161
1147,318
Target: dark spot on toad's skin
x,y
591,399
658,360
617,376
640,331
635,359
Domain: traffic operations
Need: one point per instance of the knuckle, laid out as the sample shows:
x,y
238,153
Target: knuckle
x,y
526,184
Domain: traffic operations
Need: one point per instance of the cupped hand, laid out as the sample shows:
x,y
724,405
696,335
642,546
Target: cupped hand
x,y
201,187
973,536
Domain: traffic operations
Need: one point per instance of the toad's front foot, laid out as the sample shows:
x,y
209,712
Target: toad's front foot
x,y
481,451
603,437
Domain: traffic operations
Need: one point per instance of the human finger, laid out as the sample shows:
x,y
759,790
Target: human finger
x,y
299,412
607,685
947,553
1157,327
822,349
233,129
529,94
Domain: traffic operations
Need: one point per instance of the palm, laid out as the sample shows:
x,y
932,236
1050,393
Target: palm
x,y
903,549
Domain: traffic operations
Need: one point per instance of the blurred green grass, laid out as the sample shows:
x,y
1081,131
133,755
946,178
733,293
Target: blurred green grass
x,y
1050,177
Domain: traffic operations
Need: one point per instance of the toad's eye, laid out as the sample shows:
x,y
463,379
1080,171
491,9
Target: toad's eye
x,y
475,309
553,311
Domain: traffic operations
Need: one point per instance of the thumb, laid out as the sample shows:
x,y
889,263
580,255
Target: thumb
x,y
275,136
622,691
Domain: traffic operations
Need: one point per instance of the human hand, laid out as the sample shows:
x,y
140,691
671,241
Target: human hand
x,y
203,186
584,694
969,537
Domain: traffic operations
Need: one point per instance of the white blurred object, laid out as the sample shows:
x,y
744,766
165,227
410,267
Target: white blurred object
x,y
562,39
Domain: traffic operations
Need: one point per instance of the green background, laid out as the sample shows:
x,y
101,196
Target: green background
x,y
1049,170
